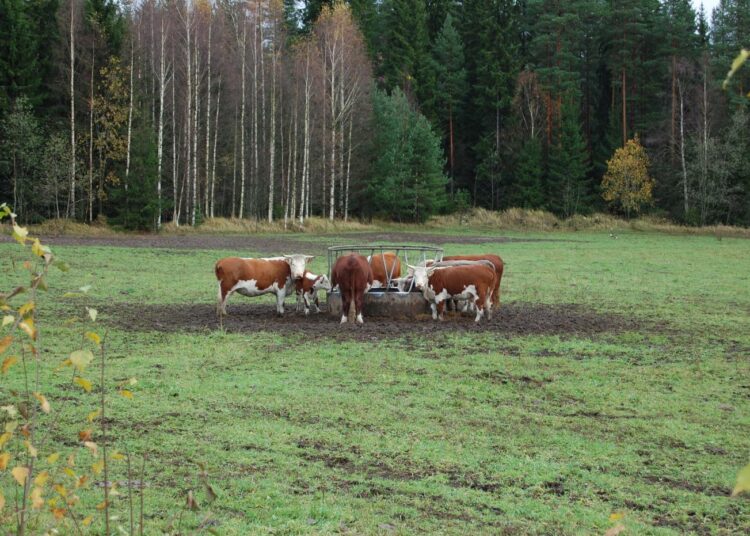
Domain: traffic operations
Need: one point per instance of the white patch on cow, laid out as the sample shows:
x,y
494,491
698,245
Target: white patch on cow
x,y
248,288
440,297
376,284
343,319
434,311
310,276
359,319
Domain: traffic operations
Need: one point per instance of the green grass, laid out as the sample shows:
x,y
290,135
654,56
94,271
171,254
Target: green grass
x,y
471,433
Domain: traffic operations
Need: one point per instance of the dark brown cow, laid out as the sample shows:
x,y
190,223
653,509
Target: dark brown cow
x,y
385,267
353,275
255,277
495,260
474,283
307,290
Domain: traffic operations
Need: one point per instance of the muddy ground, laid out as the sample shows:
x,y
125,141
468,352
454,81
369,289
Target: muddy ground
x,y
270,244
513,319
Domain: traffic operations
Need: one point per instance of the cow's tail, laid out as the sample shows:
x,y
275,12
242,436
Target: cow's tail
x,y
219,271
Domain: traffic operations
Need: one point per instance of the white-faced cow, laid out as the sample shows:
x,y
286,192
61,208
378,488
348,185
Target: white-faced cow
x,y
353,275
307,291
255,277
474,283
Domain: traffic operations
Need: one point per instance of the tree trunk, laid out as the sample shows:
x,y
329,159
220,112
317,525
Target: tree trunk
x,y
624,111
212,198
160,128
175,175
450,136
91,138
332,185
306,142
189,102
272,141
682,148
196,112
348,170
242,120
130,127
72,197
256,167
206,208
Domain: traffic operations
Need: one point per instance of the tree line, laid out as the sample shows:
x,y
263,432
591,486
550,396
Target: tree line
x,y
157,111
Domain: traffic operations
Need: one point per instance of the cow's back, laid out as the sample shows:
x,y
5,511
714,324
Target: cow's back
x,y
455,279
351,273
265,273
385,266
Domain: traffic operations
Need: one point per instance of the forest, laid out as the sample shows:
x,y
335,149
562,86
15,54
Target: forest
x,y
152,112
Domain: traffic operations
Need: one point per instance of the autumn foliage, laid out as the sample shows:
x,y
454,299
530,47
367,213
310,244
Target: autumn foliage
x,y
627,182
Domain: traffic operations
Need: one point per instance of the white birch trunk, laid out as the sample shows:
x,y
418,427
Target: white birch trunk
x,y
196,112
175,174
348,171
213,158
305,143
160,127
272,140
682,147
242,120
91,140
189,102
206,208
72,197
130,121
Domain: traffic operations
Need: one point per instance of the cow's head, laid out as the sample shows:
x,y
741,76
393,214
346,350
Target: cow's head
x,y
322,283
297,264
421,276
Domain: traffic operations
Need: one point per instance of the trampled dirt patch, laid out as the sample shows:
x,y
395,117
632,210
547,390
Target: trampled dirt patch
x,y
270,244
510,320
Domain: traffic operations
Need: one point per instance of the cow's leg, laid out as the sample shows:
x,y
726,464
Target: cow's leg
x,y
359,302
224,293
315,303
488,305
345,305
441,310
479,300
433,306
280,296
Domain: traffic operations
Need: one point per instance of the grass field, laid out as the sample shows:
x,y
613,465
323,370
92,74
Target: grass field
x,y
408,430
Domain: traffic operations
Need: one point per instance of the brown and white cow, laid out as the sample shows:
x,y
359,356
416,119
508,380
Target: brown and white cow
x,y
353,275
255,277
495,260
385,267
473,282
307,291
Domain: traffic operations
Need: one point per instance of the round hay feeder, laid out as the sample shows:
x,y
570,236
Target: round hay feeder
x,y
388,300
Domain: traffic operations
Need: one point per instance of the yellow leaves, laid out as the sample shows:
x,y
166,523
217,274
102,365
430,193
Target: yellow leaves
x,y
26,308
627,181
52,458
10,426
126,393
27,326
8,319
81,481
80,359
87,521
2,501
8,362
36,498
83,382
60,489
33,452
5,343
4,459
614,531
98,466
93,337
736,64
41,478
38,249
743,481
43,402
117,456
20,234
4,438
93,415
616,516
92,447
92,313
20,473
68,471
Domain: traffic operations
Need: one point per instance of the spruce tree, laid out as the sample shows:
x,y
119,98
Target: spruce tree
x,y
451,86
526,190
568,186
19,72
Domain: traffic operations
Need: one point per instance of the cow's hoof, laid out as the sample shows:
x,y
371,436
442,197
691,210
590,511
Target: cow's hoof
x,y
343,319
360,320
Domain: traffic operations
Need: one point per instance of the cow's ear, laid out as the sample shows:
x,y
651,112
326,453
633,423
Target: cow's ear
x,y
308,258
411,267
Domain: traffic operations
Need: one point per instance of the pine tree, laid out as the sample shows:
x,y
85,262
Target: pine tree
x,y
568,188
731,32
19,72
407,181
451,86
527,188
406,55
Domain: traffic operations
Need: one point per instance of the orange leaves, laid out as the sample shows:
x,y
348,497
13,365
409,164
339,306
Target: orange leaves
x,y
7,363
5,343
85,435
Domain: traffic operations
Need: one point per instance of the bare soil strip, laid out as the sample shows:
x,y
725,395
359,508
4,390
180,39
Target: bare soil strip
x,y
270,244
513,319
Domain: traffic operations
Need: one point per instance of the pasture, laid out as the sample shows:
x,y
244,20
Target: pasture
x,y
614,379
